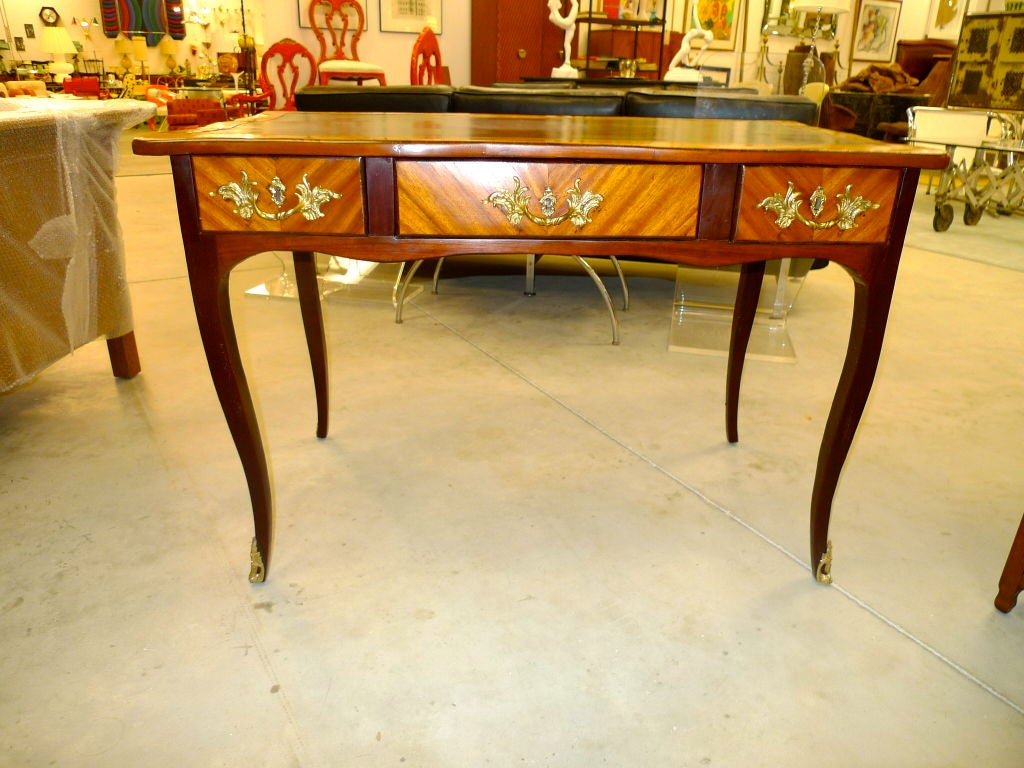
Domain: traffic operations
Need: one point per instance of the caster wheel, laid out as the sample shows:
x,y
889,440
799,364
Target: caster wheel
x,y
972,215
943,217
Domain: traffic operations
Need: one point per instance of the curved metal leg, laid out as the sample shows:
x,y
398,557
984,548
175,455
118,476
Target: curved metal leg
x,y
604,295
403,286
622,279
437,275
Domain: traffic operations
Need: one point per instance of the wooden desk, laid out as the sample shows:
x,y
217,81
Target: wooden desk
x,y
398,187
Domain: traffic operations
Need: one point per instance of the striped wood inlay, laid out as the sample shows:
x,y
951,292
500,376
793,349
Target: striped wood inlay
x,y
343,216
447,198
877,185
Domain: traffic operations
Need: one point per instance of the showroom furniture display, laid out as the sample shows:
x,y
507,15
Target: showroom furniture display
x,y
511,40
159,96
633,37
984,171
338,25
989,68
425,66
183,114
725,192
285,66
62,271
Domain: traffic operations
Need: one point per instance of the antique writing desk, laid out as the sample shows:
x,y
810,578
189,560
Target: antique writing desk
x,y
397,187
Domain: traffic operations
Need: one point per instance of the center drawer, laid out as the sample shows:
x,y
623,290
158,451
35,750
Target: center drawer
x,y
483,198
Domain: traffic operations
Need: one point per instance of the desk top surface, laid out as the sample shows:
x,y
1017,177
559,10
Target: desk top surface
x,y
542,137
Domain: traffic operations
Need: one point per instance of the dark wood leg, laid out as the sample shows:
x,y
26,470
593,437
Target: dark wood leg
x,y
208,272
313,324
1011,583
748,291
209,282
870,314
124,356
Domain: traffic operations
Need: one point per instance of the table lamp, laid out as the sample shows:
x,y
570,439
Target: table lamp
x,y
169,47
819,8
123,46
57,42
140,52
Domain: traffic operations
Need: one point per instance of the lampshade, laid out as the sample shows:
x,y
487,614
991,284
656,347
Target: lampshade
x,y
139,50
824,7
56,41
168,45
122,45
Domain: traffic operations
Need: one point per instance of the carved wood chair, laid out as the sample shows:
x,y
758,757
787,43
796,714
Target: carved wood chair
x,y
425,67
332,22
286,66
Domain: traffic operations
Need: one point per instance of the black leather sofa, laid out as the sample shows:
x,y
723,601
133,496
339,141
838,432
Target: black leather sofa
x,y
640,102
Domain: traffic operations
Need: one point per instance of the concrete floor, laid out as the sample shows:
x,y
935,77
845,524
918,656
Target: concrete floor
x,y
520,545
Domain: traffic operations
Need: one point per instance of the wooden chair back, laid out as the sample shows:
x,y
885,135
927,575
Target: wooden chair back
x,y
425,67
286,66
332,22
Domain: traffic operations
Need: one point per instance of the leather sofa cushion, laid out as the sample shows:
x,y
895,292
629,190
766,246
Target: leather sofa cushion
x,y
391,98
738,106
540,101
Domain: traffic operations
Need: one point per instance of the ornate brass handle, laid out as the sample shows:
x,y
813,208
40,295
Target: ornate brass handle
x,y
787,208
515,204
244,193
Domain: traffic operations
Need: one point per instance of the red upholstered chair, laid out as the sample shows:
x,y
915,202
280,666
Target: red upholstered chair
x,y
332,22
425,67
286,66
183,114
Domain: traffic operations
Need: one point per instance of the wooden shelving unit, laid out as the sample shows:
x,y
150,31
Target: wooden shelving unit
x,y
638,39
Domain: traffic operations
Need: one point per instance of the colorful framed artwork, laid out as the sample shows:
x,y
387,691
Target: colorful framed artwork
x,y
410,15
945,18
722,17
875,32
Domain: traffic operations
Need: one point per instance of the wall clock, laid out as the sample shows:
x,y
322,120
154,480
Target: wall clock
x,y
49,15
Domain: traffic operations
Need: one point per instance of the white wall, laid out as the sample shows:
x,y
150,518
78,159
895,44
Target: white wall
x,y
272,20
275,19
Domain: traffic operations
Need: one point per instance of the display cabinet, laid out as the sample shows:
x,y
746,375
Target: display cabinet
x,y
606,37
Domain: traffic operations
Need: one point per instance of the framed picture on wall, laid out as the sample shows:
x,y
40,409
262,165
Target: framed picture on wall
x,y
874,38
410,15
303,8
722,17
945,18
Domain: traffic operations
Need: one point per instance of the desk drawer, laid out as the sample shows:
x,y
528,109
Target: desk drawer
x,y
481,198
764,186
293,206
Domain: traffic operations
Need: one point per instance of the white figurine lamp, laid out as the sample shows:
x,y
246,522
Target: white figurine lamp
x,y
568,24
685,65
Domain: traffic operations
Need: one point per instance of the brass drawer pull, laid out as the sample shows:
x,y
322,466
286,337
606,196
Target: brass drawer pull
x,y
515,204
244,194
787,208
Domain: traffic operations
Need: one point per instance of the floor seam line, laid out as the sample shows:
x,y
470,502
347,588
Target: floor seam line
x,y
899,629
